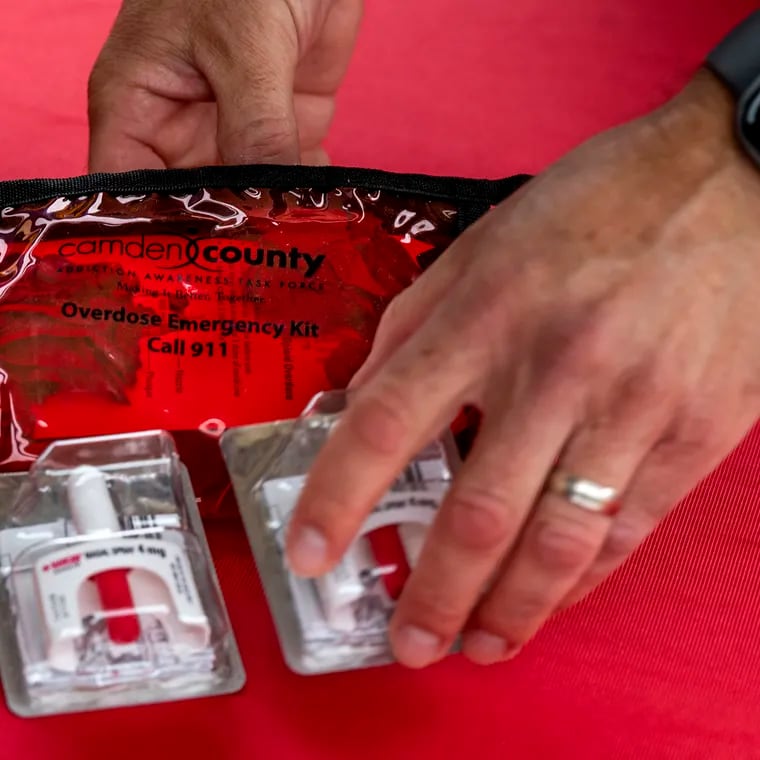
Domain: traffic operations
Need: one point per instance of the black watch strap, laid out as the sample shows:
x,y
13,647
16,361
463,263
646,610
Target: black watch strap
x,y
736,60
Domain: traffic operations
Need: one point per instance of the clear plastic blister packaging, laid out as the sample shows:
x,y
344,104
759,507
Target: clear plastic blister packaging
x,y
108,595
338,621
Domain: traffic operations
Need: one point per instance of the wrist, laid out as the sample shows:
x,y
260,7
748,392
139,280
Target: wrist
x,y
699,125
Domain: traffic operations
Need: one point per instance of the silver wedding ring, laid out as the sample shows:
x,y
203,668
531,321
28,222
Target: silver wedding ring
x,y
584,493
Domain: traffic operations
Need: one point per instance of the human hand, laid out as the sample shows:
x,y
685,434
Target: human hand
x,y
199,82
605,320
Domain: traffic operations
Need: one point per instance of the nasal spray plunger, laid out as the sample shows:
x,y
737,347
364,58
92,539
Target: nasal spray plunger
x,y
94,515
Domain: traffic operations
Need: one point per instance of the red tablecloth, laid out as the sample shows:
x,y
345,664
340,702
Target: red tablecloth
x,y
663,661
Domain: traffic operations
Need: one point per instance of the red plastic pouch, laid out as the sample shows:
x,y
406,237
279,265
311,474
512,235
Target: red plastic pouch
x,y
196,300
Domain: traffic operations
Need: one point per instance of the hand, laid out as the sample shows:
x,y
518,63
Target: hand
x,y
199,82
604,319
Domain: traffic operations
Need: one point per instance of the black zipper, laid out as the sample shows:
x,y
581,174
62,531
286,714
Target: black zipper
x,y
475,195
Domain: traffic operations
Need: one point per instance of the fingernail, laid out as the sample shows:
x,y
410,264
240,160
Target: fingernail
x,y
416,647
307,551
485,648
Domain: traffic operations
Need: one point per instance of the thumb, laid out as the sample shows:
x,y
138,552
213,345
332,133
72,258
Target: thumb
x,y
250,64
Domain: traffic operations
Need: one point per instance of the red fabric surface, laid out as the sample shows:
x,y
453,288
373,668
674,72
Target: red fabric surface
x,y
663,661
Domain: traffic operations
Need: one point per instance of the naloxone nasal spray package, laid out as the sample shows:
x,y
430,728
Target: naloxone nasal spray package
x,y
197,300
338,621
108,595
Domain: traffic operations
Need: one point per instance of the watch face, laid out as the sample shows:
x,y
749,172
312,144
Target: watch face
x,y
749,119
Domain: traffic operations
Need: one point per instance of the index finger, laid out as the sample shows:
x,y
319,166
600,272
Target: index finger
x,y
387,422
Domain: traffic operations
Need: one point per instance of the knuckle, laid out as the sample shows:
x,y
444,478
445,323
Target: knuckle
x,y
656,508
563,545
750,389
393,323
579,347
266,137
651,387
433,611
623,538
651,497
663,497
527,607
588,342
396,311
699,433
696,439
481,520
516,621
378,421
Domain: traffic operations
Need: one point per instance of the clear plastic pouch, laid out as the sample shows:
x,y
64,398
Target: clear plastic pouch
x,y
197,300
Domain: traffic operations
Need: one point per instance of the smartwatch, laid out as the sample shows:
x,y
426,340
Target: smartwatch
x,y
736,62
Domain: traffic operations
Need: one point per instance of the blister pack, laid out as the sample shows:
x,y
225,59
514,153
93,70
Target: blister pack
x,y
108,594
338,621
